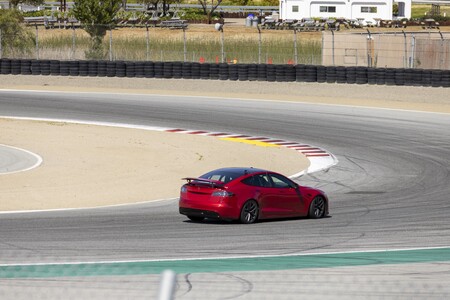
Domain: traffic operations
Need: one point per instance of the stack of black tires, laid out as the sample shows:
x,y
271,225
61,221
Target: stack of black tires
x,y
224,71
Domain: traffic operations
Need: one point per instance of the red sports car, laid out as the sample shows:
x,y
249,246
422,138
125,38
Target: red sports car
x,y
248,195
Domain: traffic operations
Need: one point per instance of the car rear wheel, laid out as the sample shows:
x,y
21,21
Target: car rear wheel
x,y
249,212
317,208
196,219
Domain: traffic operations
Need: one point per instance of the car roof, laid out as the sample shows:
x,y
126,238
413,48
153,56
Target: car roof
x,y
242,170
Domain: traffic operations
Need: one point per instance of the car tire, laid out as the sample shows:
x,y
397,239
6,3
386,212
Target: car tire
x,y
195,218
317,208
249,212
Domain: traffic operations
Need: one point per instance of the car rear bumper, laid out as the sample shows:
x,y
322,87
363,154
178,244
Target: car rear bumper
x,y
199,213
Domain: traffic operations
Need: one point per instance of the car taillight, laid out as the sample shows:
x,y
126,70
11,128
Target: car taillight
x,y
183,189
221,193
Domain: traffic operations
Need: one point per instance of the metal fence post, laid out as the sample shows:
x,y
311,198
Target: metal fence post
x,y
184,45
370,50
37,42
442,50
147,42
295,46
110,44
222,48
405,59
259,43
332,46
73,41
413,51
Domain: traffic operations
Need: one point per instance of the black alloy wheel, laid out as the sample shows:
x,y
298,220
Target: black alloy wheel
x,y
249,212
317,208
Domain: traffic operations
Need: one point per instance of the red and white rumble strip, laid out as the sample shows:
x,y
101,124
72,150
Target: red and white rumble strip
x,y
319,158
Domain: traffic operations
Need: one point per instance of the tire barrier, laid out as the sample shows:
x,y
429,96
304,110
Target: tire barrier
x,y
214,71
311,73
280,73
92,68
300,73
64,68
285,73
176,70
233,72
159,70
205,71
195,70
102,68
290,73
74,68
35,68
15,67
436,76
243,72
83,68
380,75
130,69
55,67
350,75
445,78
271,73
321,74
167,70
372,76
253,72
25,67
224,71
330,74
389,76
262,72
399,76
361,75
186,71
341,75
5,66
139,69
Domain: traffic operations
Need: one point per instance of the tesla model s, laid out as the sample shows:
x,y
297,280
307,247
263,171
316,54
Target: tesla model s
x,y
249,195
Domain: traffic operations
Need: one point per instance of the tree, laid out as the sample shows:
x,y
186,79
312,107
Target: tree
x,y
16,39
209,6
96,18
15,3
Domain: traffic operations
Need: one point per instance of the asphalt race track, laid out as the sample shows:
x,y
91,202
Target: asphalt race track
x,y
390,190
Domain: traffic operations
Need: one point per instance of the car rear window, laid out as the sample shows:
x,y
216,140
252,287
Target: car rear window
x,y
224,176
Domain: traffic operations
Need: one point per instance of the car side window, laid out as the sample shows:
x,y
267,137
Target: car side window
x,y
280,181
264,180
261,180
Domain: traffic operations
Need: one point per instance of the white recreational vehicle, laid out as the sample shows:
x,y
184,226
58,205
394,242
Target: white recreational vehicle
x,y
368,10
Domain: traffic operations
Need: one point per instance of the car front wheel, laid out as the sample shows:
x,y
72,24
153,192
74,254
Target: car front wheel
x,y
317,208
249,212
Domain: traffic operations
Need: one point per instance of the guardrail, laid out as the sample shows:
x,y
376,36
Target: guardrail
x,y
223,71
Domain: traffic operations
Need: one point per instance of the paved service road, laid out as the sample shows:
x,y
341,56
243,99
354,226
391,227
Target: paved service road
x,y
13,160
389,191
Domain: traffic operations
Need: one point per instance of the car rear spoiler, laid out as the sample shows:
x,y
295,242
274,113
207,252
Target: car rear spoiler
x,y
212,183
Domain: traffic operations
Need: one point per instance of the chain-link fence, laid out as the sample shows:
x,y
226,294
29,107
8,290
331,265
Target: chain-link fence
x,y
425,50
162,44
